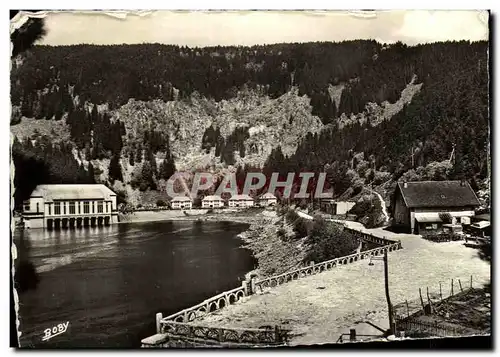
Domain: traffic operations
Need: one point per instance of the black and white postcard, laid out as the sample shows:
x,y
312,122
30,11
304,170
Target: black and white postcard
x,y
249,179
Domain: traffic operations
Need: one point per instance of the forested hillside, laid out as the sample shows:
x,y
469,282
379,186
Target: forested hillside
x,y
364,112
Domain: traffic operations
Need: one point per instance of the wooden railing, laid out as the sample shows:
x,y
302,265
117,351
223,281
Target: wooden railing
x,y
432,329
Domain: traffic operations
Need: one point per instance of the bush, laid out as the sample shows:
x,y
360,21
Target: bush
x,y
161,203
328,241
369,212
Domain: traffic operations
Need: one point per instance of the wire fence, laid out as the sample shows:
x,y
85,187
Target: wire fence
x,y
431,303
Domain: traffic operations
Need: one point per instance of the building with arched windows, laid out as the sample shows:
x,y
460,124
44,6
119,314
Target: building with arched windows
x,y
65,206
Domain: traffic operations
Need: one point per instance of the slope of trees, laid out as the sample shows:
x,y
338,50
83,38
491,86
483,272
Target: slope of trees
x,y
113,74
45,163
449,114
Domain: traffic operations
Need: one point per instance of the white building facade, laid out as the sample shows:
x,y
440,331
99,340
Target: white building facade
x,y
268,199
212,202
241,201
181,202
65,206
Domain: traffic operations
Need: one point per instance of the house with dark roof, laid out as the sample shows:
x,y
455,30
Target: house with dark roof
x,y
427,207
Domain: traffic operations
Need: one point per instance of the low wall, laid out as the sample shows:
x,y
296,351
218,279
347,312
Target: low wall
x,y
370,237
210,305
323,266
174,334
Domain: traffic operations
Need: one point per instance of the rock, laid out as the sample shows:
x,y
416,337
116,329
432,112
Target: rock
x,y
320,287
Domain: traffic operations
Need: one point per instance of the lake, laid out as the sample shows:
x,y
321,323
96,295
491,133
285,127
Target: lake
x,y
109,283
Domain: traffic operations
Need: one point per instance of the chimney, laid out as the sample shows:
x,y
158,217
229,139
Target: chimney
x,y
405,184
462,182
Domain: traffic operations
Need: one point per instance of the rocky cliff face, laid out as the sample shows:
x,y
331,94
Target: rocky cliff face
x,y
270,123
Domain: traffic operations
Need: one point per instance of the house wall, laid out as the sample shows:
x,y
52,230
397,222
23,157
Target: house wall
x,y
182,205
240,203
343,207
453,211
113,203
267,202
212,204
33,205
33,223
401,212
429,228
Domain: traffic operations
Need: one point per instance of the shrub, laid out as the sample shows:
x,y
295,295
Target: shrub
x,y
161,203
328,241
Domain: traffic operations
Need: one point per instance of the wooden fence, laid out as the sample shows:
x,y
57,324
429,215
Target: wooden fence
x,y
429,303
430,329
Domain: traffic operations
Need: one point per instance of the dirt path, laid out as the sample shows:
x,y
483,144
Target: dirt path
x,y
321,307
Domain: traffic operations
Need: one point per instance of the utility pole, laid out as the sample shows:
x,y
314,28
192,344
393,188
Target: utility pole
x,y
392,328
389,305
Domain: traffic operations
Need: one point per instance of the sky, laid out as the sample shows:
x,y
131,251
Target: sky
x,y
197,28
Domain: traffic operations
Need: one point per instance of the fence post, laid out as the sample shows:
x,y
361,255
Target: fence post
x,y
451,287
159,317
352,335
421,300
277,333
429,300
460,283
407,309
471,281
245,287
252,285
440,291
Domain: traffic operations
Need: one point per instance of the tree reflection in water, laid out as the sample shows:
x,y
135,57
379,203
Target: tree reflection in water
x,y
25,276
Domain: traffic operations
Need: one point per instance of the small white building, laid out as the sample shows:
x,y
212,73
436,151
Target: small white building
x,y
64,206
267,199
241,201
181,202
336,207
213,201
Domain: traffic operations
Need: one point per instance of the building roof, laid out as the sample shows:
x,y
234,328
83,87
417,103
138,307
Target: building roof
x,y
438,194
212,198
481,224
428,217
72,192
267,196
181,199
241,198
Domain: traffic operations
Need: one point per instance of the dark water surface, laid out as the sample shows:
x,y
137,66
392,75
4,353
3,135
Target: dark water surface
x,y
110,282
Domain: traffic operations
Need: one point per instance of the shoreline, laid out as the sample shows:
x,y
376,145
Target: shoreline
x,y
241,216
